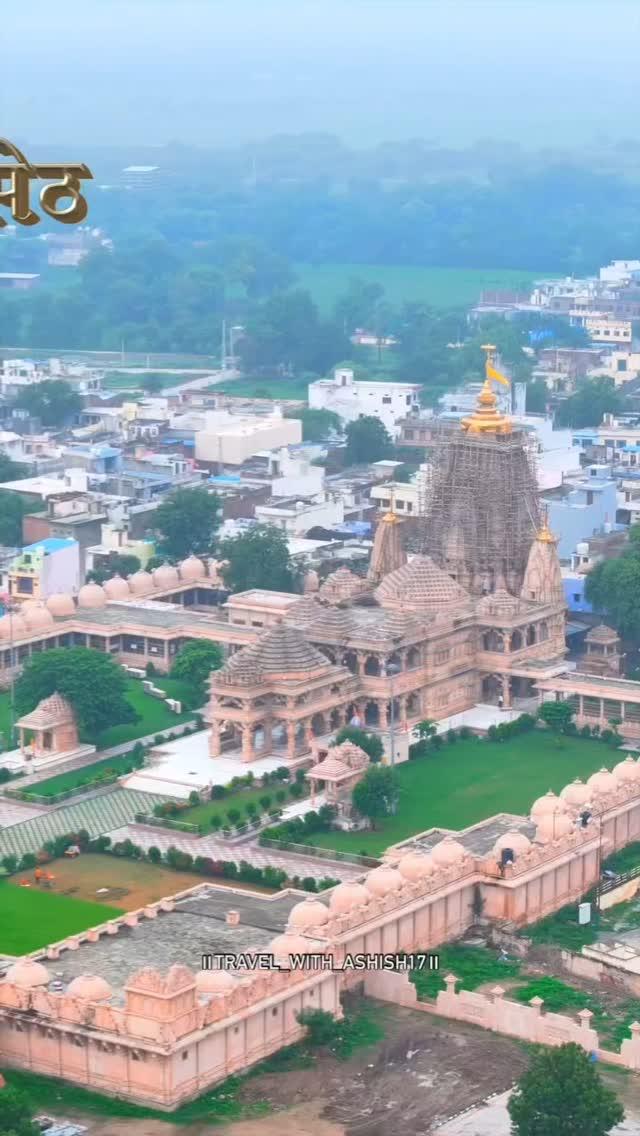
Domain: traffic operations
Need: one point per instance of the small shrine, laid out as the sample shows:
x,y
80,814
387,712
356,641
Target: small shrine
x,y
338,769
47,736
603,655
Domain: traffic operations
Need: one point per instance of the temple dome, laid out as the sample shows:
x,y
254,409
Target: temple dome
x,y
61,604
415,866
116,588
27,972
627,771
166,576
192,568
500,602
283,946
91,596
576,793
342,585
602,782
346,897
553,826
516,841
548,805
141,582
448,852
215,982
13,627
90,987
308,915
36,615
282,652
420,585
383,880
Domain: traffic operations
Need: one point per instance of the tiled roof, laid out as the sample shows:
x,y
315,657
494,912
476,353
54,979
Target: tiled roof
x,y
52,711
341,585
602,634
500,602
420,585
331,769
283,650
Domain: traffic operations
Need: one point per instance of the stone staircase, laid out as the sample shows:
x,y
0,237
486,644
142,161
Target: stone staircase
x,y
101,813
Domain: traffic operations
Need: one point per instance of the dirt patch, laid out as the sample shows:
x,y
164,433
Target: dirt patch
x,y
425,1070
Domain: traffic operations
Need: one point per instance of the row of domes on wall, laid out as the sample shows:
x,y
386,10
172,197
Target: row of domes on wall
x,y
36,615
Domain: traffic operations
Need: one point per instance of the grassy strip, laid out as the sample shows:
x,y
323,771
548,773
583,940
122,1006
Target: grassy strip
x,y
473,966
30,918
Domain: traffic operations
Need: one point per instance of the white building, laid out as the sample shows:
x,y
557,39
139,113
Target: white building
x,y
352,400
297,517
621,366
230,439
619,271
15,374
293,474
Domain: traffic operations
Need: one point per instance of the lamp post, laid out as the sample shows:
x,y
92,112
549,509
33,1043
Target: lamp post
x,y
391,670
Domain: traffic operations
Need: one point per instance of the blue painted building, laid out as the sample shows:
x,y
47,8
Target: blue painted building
x,y
583,507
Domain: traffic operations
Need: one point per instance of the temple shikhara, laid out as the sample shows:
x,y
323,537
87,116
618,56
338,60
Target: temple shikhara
x,y
472,618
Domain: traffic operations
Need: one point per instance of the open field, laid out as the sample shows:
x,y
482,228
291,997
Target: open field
x,y
131,884
278,388
438,287
467,781
30,918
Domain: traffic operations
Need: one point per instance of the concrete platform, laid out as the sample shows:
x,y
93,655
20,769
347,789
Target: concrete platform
x,y
176,768
16,762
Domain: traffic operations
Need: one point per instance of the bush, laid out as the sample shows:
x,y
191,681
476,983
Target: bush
x,y
218,792
309,884
296,790
281,796
5,775
465,732
150,670
154,854
28,861
585,732
216,822
265,802
322,1028
233,816
452,736
10,863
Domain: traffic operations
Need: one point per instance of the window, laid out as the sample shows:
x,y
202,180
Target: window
x,y
576,597
185,1054
256,623
589,497
408,400
25,585
386,401
409,434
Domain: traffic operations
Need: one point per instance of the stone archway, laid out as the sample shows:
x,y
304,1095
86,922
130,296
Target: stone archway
x,y
372,665
319,726
531,635
372,714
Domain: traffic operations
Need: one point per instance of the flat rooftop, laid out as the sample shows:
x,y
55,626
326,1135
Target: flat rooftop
x,y
197,926
479,839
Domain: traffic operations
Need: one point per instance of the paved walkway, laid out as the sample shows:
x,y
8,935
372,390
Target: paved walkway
x,y
251,851
100,755
15,812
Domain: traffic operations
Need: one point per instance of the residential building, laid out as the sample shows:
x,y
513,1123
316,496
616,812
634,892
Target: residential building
x,y
44,568
296,517
583,506
15,374
231,439
351,399
18,281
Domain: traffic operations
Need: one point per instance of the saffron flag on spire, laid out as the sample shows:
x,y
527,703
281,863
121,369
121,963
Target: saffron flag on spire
x,y
496,375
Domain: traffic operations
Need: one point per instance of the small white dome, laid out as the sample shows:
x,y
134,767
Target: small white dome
x,y
383,880
308,915
215,982
141,582
61,604
116,588
90,987
346,897
27,972
91,596
192,568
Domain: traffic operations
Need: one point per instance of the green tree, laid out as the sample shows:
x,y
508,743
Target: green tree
x,y
376,795
152,382
537,396
426,729
592,399
12,511
194,664
556,715
187,522
370,743
317,425
258,558
115,564
16,1114
10,470
613,588
53,401
561,1094
367,441
93,683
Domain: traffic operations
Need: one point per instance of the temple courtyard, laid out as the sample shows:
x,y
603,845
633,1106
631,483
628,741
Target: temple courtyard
x,y
467,781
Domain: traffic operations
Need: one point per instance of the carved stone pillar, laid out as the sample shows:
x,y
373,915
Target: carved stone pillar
x,y
214,739
292,730
506,691
383,716
248,752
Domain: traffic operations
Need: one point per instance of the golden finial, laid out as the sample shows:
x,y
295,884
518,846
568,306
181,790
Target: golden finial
x,y
486,418
545,536
391,517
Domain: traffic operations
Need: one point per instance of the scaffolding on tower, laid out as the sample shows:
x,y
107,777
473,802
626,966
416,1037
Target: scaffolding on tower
x,y
480,509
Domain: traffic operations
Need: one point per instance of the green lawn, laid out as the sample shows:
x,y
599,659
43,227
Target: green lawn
x,y
154,716
202,814
294,389
75,777
469,780
438,287
30,918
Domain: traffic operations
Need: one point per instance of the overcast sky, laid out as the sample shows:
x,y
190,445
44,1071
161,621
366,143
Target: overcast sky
x,y
218,71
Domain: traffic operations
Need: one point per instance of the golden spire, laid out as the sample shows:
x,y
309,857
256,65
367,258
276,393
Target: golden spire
x,y
486,418
391,517
545,536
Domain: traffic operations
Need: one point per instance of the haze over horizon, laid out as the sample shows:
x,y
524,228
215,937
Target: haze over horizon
x,y
145,72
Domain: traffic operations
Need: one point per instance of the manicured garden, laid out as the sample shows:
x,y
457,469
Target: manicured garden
x,y
154,715
469,780
30,918
89,775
